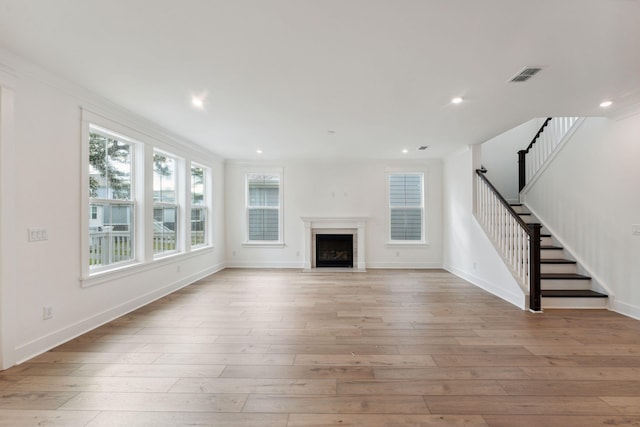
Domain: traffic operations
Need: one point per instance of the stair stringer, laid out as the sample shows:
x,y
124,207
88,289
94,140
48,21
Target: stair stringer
x,y
597,284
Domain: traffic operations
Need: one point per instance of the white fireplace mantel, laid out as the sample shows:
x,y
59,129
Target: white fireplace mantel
x,y
351,225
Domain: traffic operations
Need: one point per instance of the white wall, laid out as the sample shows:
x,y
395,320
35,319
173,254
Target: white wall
x,y
335,189
500,157
46,185
588,198
468,252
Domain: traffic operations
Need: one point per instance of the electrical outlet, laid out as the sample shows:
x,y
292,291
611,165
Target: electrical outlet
x,y
179,268
38,234
47,312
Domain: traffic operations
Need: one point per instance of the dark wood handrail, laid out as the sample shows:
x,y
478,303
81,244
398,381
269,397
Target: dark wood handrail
x,y
506,204
535,138
522,157
533,231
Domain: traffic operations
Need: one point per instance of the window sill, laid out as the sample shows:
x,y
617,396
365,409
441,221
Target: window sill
x,y
408,244
133,268
263,244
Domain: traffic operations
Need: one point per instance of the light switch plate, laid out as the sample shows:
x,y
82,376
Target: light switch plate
x,y
635,229
38,234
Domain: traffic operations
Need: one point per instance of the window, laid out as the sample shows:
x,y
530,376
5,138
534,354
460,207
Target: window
x,y
263,208
165,204
111,204
198,206
406,207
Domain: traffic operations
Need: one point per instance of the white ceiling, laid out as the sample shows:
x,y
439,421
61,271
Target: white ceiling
x,y
337,78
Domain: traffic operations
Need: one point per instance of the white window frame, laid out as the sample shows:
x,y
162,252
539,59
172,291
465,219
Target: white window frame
x,y
267,243
423,228
132,202
142,186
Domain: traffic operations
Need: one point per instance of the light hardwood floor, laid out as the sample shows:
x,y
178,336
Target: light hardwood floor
x,y
382,348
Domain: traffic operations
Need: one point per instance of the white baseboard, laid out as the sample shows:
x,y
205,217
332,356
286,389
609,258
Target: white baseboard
x,y
264,264
405,265
54,339
625,309
519,300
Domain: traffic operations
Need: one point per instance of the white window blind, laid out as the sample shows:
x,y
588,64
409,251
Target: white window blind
x,y
406,207
263,207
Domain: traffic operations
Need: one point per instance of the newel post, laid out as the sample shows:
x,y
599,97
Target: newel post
x,y
522,169
535,303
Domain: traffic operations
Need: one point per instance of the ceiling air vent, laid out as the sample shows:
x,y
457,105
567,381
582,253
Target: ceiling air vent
x,y
525,74
423,147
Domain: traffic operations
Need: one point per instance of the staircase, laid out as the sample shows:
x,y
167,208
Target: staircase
x,y
561,284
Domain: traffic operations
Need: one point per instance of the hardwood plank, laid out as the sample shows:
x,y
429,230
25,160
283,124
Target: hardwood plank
x,y
100,384
20,418
287,372
172,419
385,420
628,405
153,370
523,405
364,360
340,404
438,373
34,399
180,402
251,385
571,388
420,387
560,421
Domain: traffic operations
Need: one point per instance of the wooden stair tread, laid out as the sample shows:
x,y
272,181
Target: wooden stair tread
x,y
571,294
556,261
563,276
552,247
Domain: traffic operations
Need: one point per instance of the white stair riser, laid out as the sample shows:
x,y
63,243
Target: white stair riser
x,y
557,268
559,284
519,209
551,253
546,241
598,303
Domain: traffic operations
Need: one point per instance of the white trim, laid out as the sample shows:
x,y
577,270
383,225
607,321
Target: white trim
x,y
624,308
277,171
358,223
131,269
424,235
47,342
405,265
8,233
264,264
519,300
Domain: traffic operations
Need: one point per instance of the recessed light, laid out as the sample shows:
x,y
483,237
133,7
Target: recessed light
x,y
605,104
259,151
197,102
456,100
405,151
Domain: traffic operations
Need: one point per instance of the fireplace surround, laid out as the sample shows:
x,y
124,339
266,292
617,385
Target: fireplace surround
x,y
345,226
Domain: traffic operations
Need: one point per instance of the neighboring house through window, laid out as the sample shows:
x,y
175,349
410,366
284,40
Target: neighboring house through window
x,y
199,211
111,201
165,204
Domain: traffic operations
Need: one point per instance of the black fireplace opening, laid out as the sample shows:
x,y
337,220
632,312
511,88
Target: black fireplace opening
x,y
334,250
